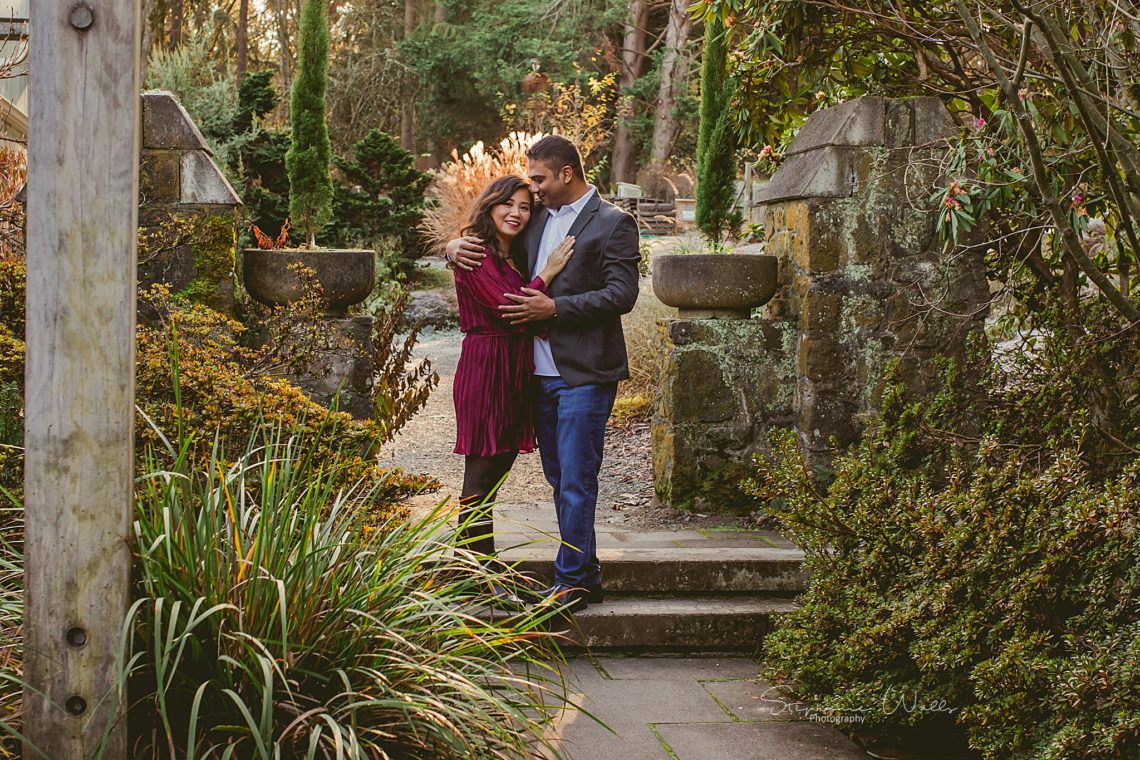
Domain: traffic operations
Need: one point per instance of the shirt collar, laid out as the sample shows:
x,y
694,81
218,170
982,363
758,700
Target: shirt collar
x,y
576,207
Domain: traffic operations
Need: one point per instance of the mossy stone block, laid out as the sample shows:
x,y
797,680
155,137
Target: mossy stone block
x,y
158,177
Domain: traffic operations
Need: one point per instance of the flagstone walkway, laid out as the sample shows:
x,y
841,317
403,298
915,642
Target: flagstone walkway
x,y
664,708
681,707
687,707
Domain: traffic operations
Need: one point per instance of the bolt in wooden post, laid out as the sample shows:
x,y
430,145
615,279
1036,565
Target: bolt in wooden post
x,y
79,405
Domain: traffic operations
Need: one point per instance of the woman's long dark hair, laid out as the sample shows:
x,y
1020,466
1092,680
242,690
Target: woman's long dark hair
x,y
482,226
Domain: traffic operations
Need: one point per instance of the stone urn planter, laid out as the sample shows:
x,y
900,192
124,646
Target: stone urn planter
x,y
714,285
346,276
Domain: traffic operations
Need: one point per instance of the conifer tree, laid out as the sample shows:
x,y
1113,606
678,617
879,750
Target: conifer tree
x,y
309,158
380,193
716,144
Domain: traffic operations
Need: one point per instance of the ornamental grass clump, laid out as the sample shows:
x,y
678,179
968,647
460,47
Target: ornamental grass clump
x,y
273,622
459,181
11,624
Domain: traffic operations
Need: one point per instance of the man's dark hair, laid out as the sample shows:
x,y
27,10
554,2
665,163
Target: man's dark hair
x,y
556,151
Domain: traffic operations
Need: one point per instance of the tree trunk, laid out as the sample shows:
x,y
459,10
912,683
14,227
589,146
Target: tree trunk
x,y
407,109
149,11
633,66
674,77
177,17
283,45
242,40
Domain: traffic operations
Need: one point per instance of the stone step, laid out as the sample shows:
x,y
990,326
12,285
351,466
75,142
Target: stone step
x,y
677,625
670,571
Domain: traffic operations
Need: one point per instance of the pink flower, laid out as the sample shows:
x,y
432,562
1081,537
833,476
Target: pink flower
x,y
980,122
1078,198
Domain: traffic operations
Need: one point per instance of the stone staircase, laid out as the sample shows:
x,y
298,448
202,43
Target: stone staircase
x,y
668,591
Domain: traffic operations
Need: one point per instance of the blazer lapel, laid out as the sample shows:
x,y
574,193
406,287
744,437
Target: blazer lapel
x,y
533,238
585,214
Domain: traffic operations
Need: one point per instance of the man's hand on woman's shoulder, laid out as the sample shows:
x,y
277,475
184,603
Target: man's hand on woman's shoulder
x,y
464,253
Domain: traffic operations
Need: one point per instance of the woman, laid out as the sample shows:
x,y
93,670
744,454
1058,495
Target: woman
x,y
493,391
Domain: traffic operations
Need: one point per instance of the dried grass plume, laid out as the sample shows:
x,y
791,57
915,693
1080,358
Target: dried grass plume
x,y
458,183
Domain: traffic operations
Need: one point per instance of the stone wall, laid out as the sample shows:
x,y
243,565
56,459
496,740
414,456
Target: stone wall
x,y
187,209
865,279
864,286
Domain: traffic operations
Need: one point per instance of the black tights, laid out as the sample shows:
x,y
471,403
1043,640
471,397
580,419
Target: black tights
x,y
481,478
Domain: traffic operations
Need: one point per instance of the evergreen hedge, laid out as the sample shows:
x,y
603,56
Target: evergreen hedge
x,y
717,217
310,154
975,559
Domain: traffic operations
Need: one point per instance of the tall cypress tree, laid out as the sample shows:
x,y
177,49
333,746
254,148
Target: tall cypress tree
x,y
309,158
716,142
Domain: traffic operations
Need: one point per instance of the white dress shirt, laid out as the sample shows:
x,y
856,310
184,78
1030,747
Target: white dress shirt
x,y
557,227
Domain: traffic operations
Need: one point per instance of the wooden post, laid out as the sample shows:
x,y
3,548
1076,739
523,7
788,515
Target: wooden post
x,y
79,408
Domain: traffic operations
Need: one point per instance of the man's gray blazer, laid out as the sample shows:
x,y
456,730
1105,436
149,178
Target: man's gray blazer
x,y
598,285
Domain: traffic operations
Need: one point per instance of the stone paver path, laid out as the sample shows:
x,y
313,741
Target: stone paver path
x,y
672,708
663,708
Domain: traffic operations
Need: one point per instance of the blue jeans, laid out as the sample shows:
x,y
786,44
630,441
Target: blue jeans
x,y
571,431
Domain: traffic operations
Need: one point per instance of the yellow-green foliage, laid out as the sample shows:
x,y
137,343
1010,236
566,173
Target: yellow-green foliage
x,y
12,277
635,396
216,394
13,274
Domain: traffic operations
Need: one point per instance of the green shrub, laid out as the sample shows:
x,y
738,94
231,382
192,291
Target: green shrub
x,y
978,549
272,622
224,389
379,194
209,94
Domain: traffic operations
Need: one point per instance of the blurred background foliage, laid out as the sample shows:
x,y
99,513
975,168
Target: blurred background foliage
x,y
437,76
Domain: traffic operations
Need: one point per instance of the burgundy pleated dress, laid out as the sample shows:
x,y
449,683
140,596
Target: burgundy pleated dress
x,y
494,382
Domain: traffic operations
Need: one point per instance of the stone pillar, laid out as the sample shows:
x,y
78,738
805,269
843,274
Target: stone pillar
x,y
850,216
722,384
864,286
187,209
341,373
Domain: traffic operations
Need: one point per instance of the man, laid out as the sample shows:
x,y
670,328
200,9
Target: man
x,y
580,355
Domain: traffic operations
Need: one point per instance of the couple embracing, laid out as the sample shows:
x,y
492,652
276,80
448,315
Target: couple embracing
x,y
543,273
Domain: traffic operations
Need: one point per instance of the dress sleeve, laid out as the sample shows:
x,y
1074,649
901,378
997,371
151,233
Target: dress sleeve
x,y
486,285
